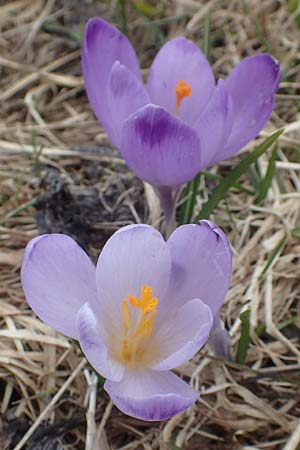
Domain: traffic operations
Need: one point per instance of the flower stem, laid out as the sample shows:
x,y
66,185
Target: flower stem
x,y
167,198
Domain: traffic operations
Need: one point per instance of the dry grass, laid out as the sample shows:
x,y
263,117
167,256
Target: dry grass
x,y
49,159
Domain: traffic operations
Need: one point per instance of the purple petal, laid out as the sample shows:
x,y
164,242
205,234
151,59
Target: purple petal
x,y
183,334
134,256
151,395
159,148
252,85
215,124
126,94
94,347
57,277
181,59
201,266
219,339
102,45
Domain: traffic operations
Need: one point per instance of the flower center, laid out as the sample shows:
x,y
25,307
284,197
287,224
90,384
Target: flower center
x,y
137,326
182,90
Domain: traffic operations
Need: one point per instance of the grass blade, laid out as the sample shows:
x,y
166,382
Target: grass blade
x,y
245,337
173,446
239,187
190,193
294,8
267,180
277,250
145,9
206,37
123,16
223,187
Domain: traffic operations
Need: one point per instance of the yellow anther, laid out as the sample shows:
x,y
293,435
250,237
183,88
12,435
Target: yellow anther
x,y
134,301
147,303
139,330
146,294
182,90
151,305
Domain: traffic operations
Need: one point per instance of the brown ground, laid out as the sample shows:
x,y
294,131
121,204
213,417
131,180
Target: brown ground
x,y
58,173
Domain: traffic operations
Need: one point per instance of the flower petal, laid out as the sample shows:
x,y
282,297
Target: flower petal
x,y
150,395
183,334
57,277
94,347
252,85
201,267
159,148
219,339
180,59
126,94
214,125
102,45
134,256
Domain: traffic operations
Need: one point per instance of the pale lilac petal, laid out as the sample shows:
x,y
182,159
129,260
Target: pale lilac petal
x,y
182,334
181,59
219,339
102,45
201,267
214,125
57,277
126,94
159,148
134,256
151,395
93,345
252,85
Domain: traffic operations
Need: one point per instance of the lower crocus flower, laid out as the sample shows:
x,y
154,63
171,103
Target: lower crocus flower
x,y
180,122
147,308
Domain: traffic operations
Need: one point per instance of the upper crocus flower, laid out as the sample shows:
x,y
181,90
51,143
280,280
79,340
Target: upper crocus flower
x,y
181,122
147,308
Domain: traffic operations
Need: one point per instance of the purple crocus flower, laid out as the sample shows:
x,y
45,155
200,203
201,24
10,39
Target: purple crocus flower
x,y
147,308
181,122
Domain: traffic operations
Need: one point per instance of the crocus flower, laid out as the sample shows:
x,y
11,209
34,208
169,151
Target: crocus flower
x,y
181,122
147,308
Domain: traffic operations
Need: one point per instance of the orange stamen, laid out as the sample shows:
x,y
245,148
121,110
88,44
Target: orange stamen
x,y
137,331
182,90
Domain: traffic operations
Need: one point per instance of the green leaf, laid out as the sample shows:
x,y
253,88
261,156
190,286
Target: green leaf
x,y
190,193
173,446
253,178
55,28
277,250
296,232
294,320
20,209
123,16
101,379
245,337
260,329
206,37
145,9
239,187
267,180
223,187
295,11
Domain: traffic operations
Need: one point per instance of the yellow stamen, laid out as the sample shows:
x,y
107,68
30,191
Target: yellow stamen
x,y
182,90
126,316
147,302
137,332
126,351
